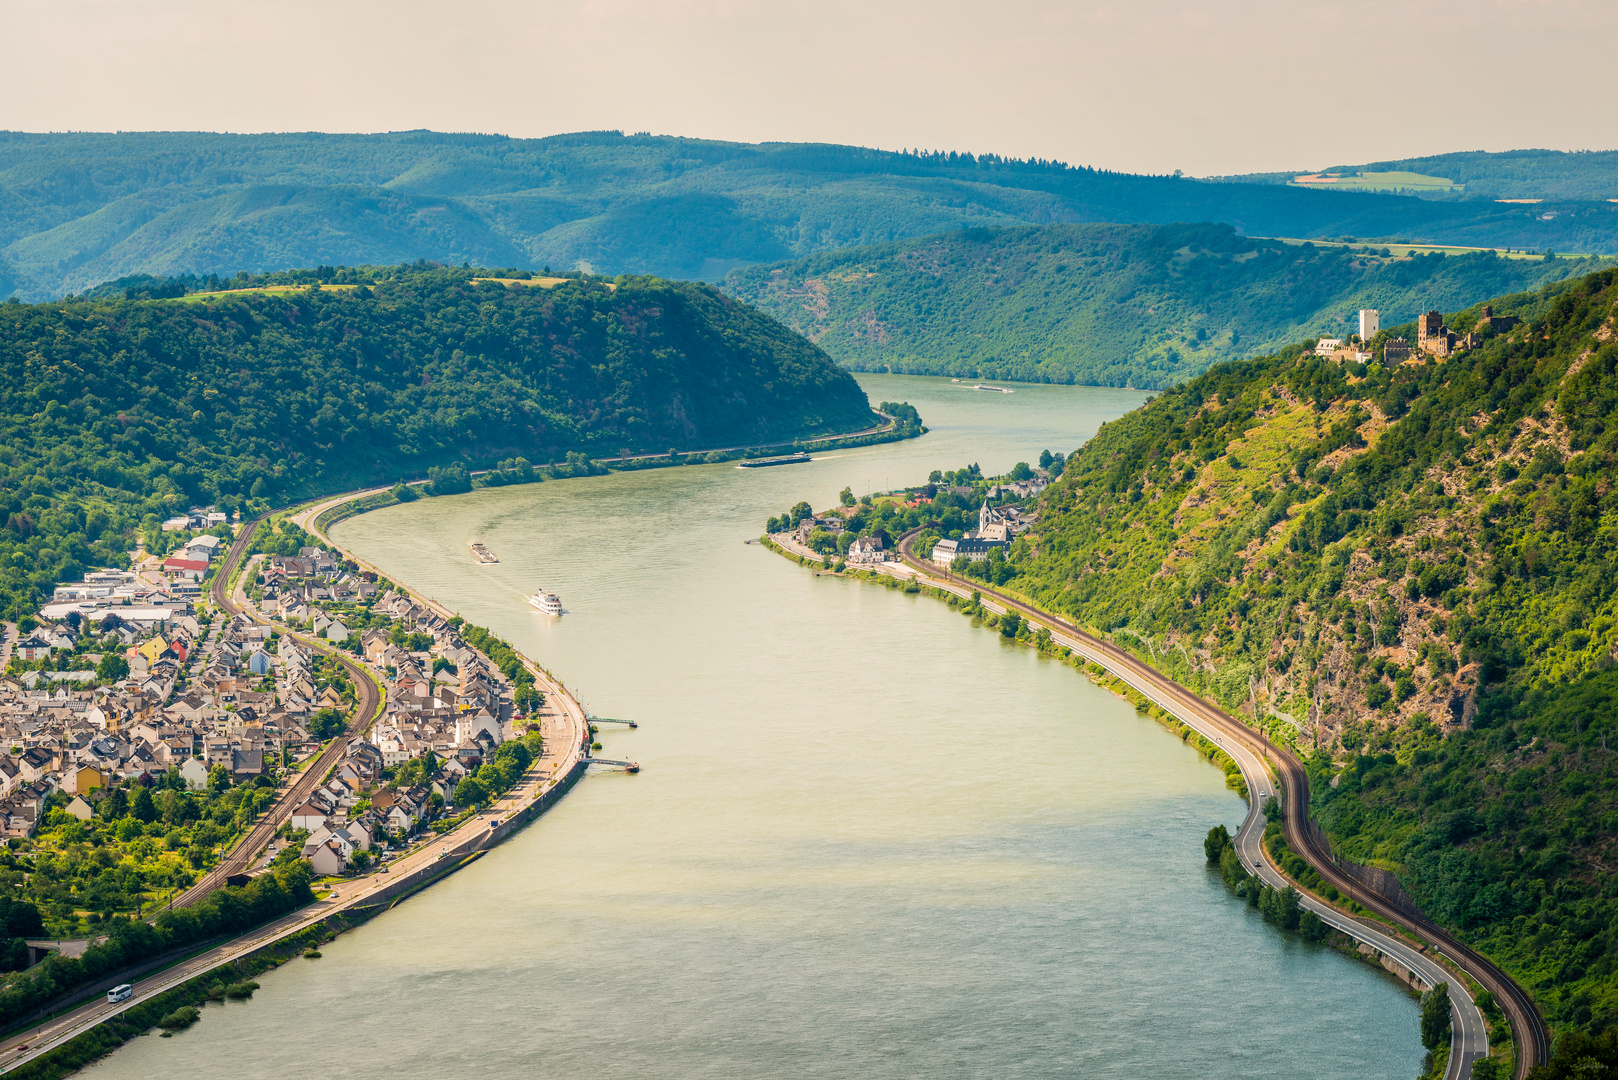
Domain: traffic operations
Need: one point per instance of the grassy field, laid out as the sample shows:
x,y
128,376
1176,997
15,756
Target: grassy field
x,y
1378,181
266,290
1401,251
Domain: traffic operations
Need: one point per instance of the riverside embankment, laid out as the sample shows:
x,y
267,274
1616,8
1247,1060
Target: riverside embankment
x,y
1261,763
563,760
869,842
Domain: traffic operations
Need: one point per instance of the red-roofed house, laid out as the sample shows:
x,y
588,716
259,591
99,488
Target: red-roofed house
x,y
185,569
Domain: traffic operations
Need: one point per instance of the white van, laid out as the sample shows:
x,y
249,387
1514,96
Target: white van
x,y
120,993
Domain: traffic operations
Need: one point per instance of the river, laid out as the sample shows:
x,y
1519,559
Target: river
x,y
869,840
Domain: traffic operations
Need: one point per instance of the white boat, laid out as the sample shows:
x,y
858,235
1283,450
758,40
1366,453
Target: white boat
x,y
546,602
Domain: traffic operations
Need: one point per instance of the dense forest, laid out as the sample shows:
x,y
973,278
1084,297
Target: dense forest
x,y
1110,305
79,208
1509,174
116,412
1410,575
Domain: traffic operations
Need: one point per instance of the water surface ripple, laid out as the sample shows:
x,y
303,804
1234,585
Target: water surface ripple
x,y
870,839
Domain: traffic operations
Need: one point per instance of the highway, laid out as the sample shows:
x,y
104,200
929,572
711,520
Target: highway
x,y
1257,756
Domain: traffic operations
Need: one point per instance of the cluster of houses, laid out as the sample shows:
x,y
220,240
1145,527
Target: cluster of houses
x,y
245,705
998,525
240,694
296,589
448,700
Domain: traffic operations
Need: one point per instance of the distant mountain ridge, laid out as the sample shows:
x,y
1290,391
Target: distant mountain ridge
x,y
1112,305
77,209
1554,175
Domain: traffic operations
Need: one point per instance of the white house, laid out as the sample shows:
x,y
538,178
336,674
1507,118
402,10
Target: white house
x,y
308,816
195,773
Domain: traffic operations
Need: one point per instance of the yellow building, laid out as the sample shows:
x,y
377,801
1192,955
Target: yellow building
x,y
152,649
83,779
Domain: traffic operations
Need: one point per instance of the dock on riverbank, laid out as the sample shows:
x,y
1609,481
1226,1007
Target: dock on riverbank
x,y
564,758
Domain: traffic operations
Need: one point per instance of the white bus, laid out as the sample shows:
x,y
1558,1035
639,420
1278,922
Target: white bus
x,y
120,993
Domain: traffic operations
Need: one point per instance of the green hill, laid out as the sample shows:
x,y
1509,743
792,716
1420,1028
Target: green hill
x,y
116,412
1110,305
79,208
1556,175
1412,577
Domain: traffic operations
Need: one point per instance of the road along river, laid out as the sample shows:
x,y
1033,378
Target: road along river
x,y
869,839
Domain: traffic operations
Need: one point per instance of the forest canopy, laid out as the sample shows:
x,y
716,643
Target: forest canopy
x,y
1109,305
118,412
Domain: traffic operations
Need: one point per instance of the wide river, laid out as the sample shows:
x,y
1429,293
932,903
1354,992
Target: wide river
x,y
869,840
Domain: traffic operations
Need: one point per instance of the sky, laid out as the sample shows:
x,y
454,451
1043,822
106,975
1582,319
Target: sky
x,y
1139,86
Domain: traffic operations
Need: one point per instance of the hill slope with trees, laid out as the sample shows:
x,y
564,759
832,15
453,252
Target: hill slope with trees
x,y
1510,174
117,412
1411,576
79,208
1111,305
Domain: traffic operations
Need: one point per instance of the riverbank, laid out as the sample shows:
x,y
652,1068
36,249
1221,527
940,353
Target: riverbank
x,y
1252,753
903,423
66,1043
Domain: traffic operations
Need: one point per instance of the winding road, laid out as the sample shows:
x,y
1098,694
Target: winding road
x,y
1262,762
566,744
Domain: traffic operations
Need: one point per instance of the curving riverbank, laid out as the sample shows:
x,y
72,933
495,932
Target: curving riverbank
x,y
563,760
1259,761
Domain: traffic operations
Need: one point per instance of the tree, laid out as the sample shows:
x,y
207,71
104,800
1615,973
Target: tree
x,y
1010,623
218,780
326,723
112,668
470,793
143,807
1312,927
113,805
1435,1016
1020,471
1214,845
1045,459
846,497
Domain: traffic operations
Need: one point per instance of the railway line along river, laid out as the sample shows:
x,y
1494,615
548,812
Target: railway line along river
x,y
869,839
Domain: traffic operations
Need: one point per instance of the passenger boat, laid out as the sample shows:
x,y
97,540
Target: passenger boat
x,y
546,602
483,554
996,389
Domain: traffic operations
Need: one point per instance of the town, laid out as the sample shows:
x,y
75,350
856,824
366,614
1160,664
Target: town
x,y
966,522
131,684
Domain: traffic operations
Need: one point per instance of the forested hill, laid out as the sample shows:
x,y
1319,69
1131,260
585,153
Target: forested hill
x,y
1412,576
78,208
1108,305
117,412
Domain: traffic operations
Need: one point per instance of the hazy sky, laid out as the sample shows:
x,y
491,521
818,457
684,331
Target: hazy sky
x,y
1138,85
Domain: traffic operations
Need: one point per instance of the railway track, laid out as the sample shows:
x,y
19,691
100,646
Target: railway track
x,y
1532,1036
367,709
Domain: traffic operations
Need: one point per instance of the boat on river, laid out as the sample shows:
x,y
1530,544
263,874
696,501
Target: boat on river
x,y
996,389
483,554
765,462
546,602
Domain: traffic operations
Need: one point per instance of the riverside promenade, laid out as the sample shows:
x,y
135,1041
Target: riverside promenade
x,y
565,757
1420,965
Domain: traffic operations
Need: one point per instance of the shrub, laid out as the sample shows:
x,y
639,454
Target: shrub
x,y
241,991
180,1018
